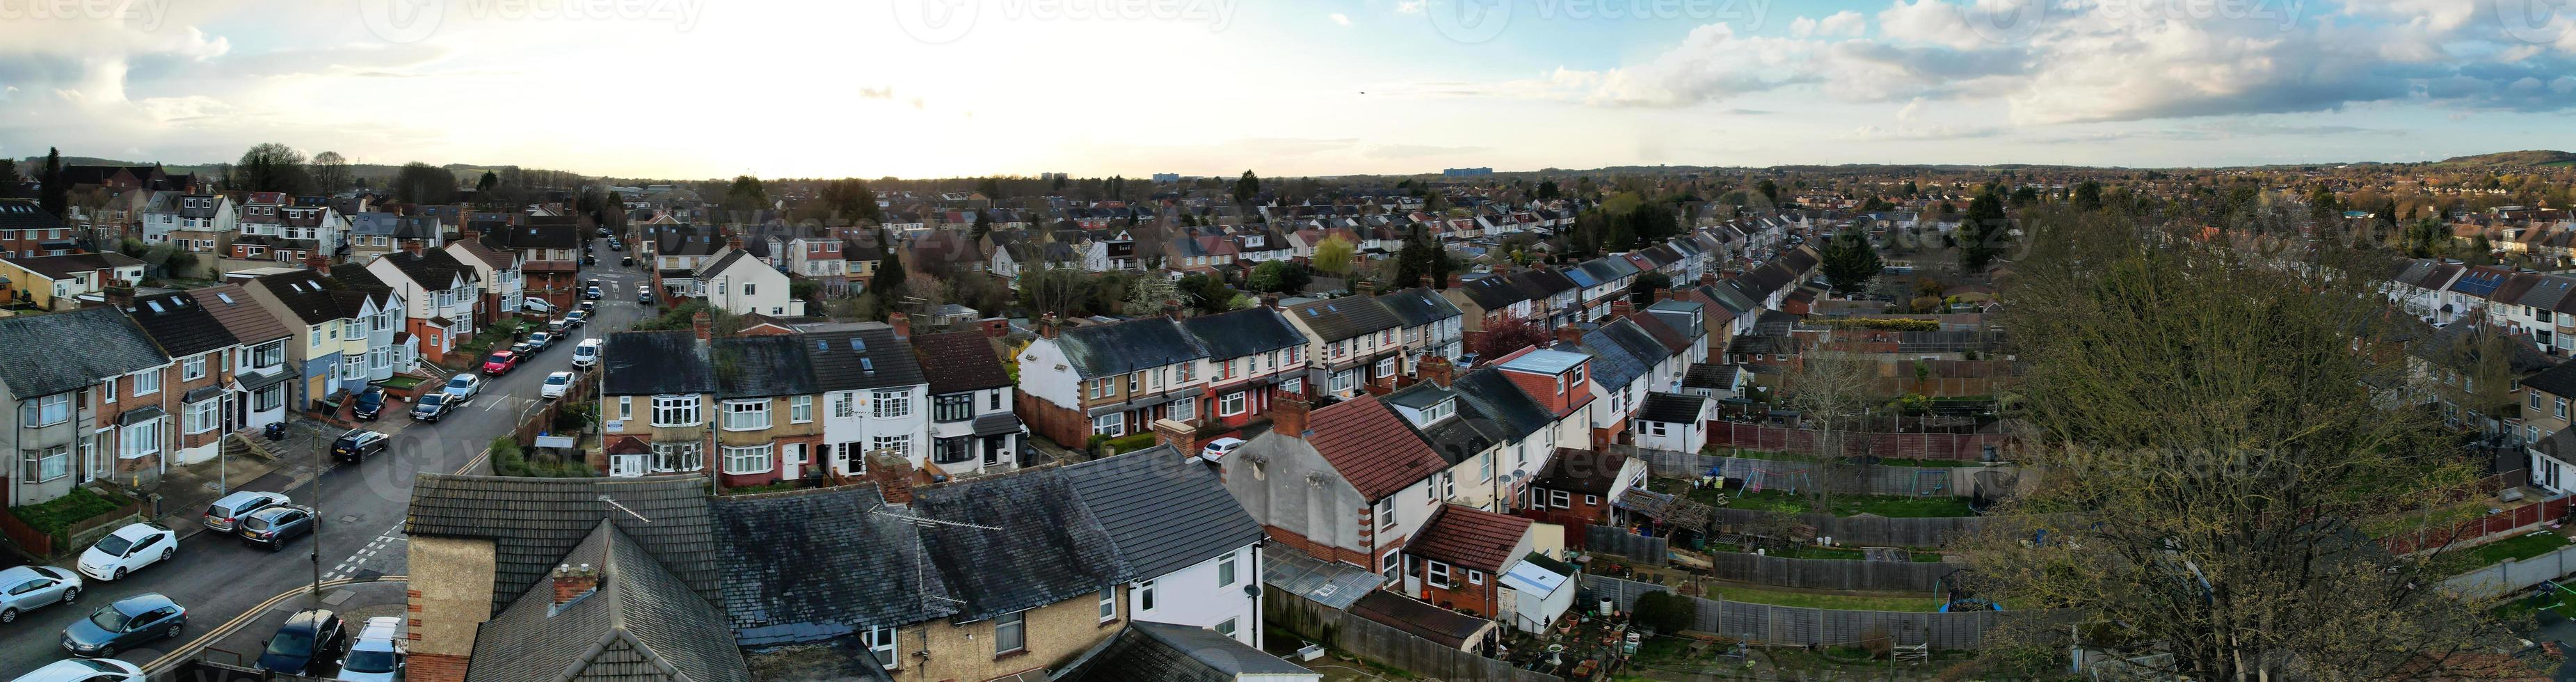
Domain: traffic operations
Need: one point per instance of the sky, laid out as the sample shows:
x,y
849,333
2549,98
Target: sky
x,y
940,88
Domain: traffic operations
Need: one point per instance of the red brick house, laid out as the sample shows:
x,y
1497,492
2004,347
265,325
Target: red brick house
x,y
1460,556
1578,488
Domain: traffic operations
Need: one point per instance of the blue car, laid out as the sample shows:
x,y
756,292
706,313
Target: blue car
x,y
131,622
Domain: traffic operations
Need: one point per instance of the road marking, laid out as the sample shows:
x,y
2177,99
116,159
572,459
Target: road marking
x,y
181,652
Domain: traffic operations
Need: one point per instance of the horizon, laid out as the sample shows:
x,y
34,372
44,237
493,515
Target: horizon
x,y
689,89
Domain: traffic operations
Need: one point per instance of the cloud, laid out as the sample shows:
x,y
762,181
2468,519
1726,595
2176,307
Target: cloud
x,y
1340,18
1410,6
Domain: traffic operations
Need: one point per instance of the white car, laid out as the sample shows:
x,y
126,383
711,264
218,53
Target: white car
x,y
376,656
556,384
587,353
1216,450
128,549
85,670
463,387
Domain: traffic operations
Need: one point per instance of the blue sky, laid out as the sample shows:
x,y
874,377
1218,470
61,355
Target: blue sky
x,y
708,88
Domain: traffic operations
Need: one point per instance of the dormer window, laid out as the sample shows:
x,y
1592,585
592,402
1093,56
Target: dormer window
x,y
1440,410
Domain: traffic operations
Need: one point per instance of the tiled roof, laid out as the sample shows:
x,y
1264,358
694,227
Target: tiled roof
x,y
1672,408
1466,433
1342,318
761,367
641,622
811,565
861,358
1620,353
1244,332
431,269
22,214
1044,545
72,265
182,327
1709,375
1146,651
1469,537
655,363
1138,496
533,522
49,354
956,362
1493,293
1588,472
1372,447
1103,350
1500,400
1419,306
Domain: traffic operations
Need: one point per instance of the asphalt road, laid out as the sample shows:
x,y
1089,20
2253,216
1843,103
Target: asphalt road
x,y
217,578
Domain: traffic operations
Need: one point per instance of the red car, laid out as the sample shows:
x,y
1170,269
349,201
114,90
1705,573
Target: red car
x,y
500,363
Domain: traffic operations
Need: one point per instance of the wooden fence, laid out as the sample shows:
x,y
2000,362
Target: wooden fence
x,y
1795,626
2507,521
1960,481
1637,549
1829,574
1964,447
1864,530
1395,648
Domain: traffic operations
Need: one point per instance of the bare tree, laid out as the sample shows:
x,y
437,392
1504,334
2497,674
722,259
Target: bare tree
x,y
330,172
1834,389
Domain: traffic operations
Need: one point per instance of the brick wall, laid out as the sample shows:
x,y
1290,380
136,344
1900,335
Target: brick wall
x,y
434,668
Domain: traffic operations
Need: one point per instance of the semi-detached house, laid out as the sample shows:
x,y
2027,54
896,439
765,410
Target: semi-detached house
x,y
345,329
263,381
441,297
76,417
754,410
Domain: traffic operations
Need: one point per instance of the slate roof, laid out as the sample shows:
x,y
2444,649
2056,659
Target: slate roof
x,y
182,327
22,214
533,522
2559,380
1615,358
861,358
655,363
1673,340
1469,537
1336,319
431,269
957,362
1244,332
68,266
1510,409
640,623
1419,306
761,367
1588,472
1164,511
1146,651
1045,547
1709,375
1371,446
47,354
1671,408
1103,350
549,236
316,299
808,566
1464,434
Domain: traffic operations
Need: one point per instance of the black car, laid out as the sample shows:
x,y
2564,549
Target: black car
x,y
588,260
358,444
431,406
371,402
273,527
310,636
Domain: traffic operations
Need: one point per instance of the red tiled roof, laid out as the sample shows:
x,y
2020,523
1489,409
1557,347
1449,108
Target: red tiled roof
x,y
1469,537
1372,447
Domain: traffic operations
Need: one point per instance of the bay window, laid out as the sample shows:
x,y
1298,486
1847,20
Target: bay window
x,y
675,410
749,459
141,439
1112,425
679,456
204,416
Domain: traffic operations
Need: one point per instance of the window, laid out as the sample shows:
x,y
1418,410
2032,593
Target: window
x,y
147,382
1386,514
1184,410
1293,385
1108,604
1448,486
753,459
891,404
139,440
1099,388
746,415
46,411
1135,381
952,408
682,456
1189,372
1475,577
800,409
1592,499
270,398
844,405
204,416
1342,381
1651,428
1225,571
2561,411
952,450
1386,367
2535,399
1226,628
899,446
881,641
1112,425
1560,500
1438,411
107,391
675,410
1485,466
993,399
1439,575
625,408
1145,596
54,463
1010,633
1230,405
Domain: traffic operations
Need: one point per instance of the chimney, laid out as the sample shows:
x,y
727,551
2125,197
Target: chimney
x,y
1569,335
1046,326
411,246
1288,415
1181,436
734,242
1435,369
120,296
319,263
704,325
571,582
1172,309
902,323
1270,301
893,476
1621,307
1457,280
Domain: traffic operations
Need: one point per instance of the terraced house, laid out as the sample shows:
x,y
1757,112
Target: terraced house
x,y
344,329
755,410
441,297
1109,379
201,355
75,417
1354,343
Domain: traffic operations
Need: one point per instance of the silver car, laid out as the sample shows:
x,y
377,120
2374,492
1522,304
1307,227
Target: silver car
x,y
27,588
377,655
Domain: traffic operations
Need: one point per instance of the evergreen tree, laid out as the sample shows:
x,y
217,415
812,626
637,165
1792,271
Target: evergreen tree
x,y
1246,187
1982,232
2088,196
1850,262
57,194
887,287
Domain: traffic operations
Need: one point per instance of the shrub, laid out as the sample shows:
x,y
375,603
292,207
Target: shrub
x,y
1130,443
52,516
1665,612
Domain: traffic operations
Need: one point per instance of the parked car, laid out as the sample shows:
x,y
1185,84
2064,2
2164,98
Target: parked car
x,y
536,305
616,245
27,588
523,348
130,622
558,325
588,260
371,402
463,387
220,515
308,637
86,670
273,527
501,362
587,353
576,317
431,406
129,549
605,232
357,444
590,293
556,385
377,655
1216,450
588,307
623,260
644,294
542,340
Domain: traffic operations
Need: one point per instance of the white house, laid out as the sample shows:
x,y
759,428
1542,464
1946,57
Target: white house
x,y
1208,577
739,283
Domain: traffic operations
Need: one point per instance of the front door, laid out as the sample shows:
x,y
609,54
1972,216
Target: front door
x,y
791,460
995,447
625,466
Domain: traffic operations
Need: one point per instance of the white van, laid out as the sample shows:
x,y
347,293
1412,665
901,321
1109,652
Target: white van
x,y
587,353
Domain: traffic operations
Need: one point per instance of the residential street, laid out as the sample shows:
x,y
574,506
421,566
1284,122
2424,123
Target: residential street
x,y
218,579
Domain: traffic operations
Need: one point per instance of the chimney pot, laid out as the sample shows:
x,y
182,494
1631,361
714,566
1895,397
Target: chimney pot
x,y
1569,335
571,583
1047,326
1288,413
893,476
902,323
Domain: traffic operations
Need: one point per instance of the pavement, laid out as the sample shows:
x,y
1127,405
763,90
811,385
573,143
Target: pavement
x,y
220,580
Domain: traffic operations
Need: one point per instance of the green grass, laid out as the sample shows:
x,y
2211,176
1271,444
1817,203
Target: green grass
x,y
1743,453
1813,552
1825,601
1895,506
401,383
2516,548
51,517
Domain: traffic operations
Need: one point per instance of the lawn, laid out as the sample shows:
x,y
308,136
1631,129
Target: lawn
x,y
401,383
51,517
1825,601
1897,506
2516,548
